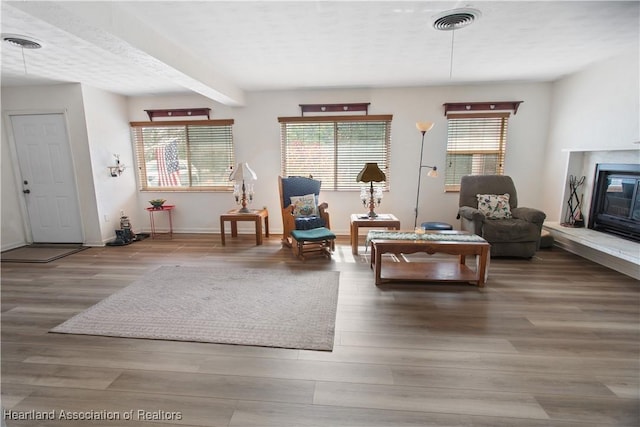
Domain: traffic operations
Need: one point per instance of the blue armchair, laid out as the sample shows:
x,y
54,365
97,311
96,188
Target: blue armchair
x,y
300,208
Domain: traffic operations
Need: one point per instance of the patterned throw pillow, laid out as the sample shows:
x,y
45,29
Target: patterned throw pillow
x,y
494,206
304,205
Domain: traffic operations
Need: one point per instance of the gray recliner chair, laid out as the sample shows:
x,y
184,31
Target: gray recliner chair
x,y
518,235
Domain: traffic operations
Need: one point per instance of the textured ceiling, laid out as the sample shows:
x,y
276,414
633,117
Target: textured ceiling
x,y
221,49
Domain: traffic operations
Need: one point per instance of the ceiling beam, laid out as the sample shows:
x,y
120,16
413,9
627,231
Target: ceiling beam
x,y
109,27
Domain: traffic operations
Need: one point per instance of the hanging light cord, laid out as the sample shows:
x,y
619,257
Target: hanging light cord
x,y
24,61
453,32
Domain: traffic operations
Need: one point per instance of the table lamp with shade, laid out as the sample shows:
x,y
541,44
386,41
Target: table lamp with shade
x,y
243,192
371,173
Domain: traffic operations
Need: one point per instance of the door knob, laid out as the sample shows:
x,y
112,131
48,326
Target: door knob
x,y
27,191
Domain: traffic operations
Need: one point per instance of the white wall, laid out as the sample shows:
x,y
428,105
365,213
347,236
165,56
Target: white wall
x,y
65,98
13,227
108,134
597,109
257,141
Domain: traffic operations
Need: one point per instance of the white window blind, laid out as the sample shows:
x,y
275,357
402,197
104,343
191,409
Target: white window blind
x,y
334,149
476,145
184,155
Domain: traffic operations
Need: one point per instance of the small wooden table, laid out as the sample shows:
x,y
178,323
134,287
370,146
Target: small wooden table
x,y
449,242
233,216
164,208
387,221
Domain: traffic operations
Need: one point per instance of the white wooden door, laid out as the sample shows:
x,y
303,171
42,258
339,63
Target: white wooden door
x,y
48,181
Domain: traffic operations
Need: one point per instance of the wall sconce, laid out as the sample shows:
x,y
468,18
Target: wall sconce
x,y
116,170
423,127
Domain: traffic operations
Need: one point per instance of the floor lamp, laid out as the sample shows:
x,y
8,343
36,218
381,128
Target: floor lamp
x,y
423,127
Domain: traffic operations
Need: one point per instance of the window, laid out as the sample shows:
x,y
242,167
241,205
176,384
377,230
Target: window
x,y
334,149
476,145
184,155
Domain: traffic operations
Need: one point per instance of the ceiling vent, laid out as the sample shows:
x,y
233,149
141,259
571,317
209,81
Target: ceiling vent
x,y
455,19
23,42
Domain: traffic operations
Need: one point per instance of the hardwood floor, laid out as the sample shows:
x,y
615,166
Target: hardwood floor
x,y
552,341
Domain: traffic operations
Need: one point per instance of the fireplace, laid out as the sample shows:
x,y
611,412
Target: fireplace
x,y
615,204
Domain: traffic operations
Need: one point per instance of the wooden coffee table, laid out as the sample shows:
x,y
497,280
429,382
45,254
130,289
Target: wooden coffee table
x,y
451,242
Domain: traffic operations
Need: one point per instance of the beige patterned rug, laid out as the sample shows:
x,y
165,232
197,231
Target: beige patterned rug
x,y
248,306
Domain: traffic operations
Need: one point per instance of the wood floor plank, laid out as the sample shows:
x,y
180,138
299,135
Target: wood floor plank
x,y
578,324
268,414
506,362
299,369
599,347
624,387
515,382
57,375
429,399
117,359
607,411
218,386
427,341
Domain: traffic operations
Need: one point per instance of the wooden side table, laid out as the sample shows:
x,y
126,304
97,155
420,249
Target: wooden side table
x,y
388,221
233,216
164,208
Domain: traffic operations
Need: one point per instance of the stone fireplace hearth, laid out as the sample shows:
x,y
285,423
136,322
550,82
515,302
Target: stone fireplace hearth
x,y
612,251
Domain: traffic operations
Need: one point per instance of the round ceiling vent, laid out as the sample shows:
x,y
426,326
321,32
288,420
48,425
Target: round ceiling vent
x,y
24,42
455,19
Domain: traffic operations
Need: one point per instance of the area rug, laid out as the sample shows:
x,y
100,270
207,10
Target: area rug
x,y
41,252
260,307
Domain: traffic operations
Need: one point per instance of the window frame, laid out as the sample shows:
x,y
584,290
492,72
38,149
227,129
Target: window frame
x,y
497,145
339,184
138,145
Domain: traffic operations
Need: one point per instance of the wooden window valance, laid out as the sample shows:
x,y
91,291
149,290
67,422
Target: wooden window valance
x,y
482,106
178,112
332,108
219,122
346,118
